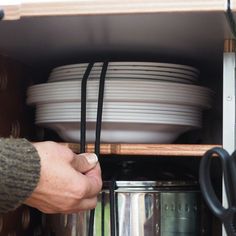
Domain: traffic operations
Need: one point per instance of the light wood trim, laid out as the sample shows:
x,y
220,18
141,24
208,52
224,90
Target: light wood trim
x,y
229,45
93,7
147,149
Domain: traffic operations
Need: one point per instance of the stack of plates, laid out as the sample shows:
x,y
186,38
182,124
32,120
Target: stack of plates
x,y
129,70
143,102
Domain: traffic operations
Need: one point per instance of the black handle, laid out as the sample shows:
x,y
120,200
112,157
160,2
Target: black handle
x,y
205,180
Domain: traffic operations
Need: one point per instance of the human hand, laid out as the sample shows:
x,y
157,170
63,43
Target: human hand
x,y
68,182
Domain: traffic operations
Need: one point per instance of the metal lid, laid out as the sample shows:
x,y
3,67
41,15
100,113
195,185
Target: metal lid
x,y
151,184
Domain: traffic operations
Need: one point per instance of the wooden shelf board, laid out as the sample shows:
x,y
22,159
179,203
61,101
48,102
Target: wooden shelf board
x,y
80,7
147,149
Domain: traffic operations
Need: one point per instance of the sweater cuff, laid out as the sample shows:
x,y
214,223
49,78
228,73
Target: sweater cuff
x,y
19,172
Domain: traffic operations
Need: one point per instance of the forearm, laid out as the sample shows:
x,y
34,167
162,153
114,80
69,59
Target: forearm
x,y
19,172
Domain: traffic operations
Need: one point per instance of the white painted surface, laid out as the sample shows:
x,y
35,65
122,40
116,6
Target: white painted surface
x,y
15,9
189,38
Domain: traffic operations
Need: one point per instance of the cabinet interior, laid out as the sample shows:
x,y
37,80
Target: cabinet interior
x,y
31,47
191,38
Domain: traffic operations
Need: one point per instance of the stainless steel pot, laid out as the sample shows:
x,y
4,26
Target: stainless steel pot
x,y
142,208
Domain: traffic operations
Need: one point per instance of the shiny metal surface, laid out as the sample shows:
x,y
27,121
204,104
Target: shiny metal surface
x,y
20,222
180,213
142,209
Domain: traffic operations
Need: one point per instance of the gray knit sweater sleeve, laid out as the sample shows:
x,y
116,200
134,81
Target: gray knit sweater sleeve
x,y
19,172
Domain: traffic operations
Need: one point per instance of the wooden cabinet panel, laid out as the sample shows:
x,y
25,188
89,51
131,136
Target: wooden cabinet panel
x,y
15,116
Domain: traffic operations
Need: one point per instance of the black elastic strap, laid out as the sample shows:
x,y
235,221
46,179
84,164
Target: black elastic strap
x,y
83,123
98,131
83,108
103,214
112,187
99,108
116,213
91,222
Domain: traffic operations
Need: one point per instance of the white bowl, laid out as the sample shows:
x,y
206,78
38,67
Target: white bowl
x,y
119,132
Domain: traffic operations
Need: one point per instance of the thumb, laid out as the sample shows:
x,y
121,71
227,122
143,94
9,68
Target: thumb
x,y
84,162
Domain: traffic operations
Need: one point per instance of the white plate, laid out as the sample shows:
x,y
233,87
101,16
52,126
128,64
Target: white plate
x,y
150,116
189,122
143,112
120,132
67,95
193,123
155,117
203,102
162,71
120,105
124,77
200,95
112,93
127,77
117,112
120,108
198,98
119,84
133,63
161,79
126,68
127,92
117,73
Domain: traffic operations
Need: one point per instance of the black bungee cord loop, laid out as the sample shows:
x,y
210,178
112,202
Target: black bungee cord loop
x,y
112,185
83,118
113,210
103,213
99,108
83,108
98,136
98,130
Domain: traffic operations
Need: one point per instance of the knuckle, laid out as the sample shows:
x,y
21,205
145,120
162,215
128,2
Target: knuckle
x,y
94,203
68,206
69,152
46,210
71,205
51,143
81,192
99,184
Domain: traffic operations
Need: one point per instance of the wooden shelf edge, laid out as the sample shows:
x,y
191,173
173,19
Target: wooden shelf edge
x,y
96,7
196,150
